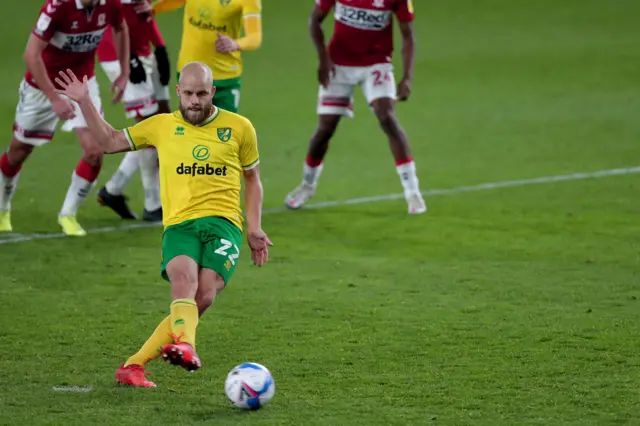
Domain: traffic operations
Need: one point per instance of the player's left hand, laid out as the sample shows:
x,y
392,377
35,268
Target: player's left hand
x,y
404,89
118,86
225,44
259,243
72,88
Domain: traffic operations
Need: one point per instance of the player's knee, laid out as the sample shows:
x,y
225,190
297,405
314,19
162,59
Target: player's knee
x,y
384,113
387,120
18,152
93,156
183,285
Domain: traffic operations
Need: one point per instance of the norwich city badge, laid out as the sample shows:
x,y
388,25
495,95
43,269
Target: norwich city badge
x,y
224,134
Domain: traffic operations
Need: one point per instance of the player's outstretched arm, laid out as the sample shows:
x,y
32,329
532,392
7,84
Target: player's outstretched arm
x,y
258,240
110,139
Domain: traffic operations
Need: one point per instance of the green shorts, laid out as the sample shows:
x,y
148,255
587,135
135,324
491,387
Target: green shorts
x,y
227,94
213,242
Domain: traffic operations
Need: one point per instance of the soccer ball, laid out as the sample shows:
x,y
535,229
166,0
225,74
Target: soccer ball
x,y
249,386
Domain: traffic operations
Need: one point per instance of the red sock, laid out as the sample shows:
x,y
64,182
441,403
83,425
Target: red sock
x,y
88,172
404,161
313,162
8,169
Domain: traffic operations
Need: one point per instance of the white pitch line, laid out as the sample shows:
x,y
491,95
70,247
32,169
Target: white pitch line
x,y
72,388
19,238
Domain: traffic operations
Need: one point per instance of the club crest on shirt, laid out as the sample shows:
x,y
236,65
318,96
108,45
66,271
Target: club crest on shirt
x,y
224,133
102,20
224,2
378,3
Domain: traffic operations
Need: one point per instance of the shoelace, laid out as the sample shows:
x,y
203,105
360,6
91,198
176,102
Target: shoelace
x,y
176,339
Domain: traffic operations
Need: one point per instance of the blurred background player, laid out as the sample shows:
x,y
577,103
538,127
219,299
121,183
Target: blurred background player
x,y
66,36
359,54
212,34
146,94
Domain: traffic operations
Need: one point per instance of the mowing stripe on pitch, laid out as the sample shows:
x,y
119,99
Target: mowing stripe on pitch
x,y
18,238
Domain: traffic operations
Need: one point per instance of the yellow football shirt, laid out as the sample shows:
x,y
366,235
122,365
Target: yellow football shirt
x,y
200,166
203,19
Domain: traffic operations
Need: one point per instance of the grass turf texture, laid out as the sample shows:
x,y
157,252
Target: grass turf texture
x,y
514,306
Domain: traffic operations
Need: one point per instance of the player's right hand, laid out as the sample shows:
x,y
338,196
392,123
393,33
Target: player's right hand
x,y
404,89
63,108
325,71
259,243
118,86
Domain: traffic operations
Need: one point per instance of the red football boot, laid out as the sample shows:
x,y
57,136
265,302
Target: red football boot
x,y
133,375
182,354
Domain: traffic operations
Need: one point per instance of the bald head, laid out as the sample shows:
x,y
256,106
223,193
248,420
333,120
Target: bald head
x,y
195,89
196,73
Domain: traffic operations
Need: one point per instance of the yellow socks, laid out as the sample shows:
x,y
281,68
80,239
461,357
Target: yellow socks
x,y
184,320
182,323
151,348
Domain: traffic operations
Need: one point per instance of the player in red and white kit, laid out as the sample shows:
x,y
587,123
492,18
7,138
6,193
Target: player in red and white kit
x,y
146,94
359,54
66,36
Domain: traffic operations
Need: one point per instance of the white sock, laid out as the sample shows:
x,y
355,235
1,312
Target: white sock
x,y
78,191
128,167
149,170
408,178
8,188
311,174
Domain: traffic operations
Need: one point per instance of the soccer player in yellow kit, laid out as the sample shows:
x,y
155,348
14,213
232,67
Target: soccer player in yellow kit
x,y
203,152
212,34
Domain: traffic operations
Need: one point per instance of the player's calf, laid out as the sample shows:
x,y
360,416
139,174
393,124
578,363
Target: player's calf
x,y
149,171
10,164
399,144
210,284
83,180
312,169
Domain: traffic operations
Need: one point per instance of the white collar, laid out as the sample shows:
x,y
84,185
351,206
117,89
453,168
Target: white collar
x,y
79,4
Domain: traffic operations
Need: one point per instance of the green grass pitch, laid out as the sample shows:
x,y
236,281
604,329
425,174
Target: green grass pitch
x,y
511,306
